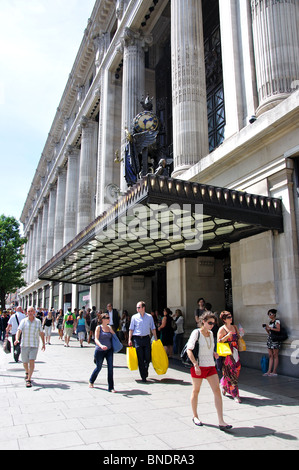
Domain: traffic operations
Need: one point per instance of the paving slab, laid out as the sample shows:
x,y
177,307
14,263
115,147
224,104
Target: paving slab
x,y
61,412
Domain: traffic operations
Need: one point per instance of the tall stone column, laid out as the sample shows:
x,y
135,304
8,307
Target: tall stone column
x,y
26,251
109,120
28,256
238,66
190,120
71,198
60,209
33,252
51,221
134,45
38,240
44,233
87,173
276,44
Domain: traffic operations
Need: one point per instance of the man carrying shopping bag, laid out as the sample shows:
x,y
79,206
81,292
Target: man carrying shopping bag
x,y
142,324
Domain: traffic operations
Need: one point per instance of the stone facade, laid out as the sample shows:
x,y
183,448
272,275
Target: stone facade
x,y
224,76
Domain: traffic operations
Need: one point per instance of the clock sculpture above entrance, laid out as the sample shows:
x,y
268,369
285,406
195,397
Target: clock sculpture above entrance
x,y
143,154
146,121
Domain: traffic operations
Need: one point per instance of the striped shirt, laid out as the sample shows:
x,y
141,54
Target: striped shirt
x,y
30,332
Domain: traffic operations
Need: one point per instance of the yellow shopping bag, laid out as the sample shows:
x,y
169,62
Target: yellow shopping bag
x,y
159,358
223,349
132,360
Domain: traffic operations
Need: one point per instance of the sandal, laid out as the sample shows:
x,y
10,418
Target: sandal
x,y
28,383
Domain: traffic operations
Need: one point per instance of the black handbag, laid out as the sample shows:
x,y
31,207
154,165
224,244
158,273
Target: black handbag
x,y
279,336
6,345
184,355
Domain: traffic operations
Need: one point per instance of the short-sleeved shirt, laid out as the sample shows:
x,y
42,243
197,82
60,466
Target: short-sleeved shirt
x,y
13,322
142,326
30,332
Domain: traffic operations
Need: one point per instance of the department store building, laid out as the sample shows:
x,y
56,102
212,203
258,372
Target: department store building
x,y
219,219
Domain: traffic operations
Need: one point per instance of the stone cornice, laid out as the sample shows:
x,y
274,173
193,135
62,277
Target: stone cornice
x,y
101,15
86,58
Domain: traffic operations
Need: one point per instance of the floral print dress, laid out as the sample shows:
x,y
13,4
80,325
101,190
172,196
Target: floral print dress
x,y
270,343
231,368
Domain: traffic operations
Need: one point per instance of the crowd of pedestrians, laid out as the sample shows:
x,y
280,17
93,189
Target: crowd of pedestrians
x,y
107,330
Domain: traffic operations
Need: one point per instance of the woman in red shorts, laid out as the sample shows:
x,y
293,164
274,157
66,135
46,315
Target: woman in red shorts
x,y
204,367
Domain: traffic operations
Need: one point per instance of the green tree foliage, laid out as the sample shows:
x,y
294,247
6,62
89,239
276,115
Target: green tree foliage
x,y
11,257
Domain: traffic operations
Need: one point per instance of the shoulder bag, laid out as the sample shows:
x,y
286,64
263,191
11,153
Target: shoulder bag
x,y
279,336
116,344
241,345
184,354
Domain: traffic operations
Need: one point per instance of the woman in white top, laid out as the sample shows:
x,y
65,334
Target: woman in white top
x,y
179,332
204,368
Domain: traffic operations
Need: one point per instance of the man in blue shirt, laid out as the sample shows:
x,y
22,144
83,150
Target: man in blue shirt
x,y
142,324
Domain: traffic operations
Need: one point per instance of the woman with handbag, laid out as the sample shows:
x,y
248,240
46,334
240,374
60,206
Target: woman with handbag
x,y
167,331
231,365
204,367
104,350
273,344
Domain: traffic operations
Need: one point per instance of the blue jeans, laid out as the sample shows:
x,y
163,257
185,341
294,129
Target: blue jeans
x,y
99,357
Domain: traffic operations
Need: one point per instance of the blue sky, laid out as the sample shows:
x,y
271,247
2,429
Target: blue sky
x,y
39,40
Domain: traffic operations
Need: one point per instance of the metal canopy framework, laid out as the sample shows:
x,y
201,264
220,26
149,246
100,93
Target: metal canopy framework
x,y
158,220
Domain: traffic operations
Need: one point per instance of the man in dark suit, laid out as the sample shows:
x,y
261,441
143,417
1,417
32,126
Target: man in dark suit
x,y
114,317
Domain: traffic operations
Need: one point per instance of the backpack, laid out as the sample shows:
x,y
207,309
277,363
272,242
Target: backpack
x,y
184,355
70,319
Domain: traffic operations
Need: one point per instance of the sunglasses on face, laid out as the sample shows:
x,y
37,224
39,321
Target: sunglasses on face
x,y
210,322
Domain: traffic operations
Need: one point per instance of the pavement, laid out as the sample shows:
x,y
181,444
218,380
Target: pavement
x,y
60,411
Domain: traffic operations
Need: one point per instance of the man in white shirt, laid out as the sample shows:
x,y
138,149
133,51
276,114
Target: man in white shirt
x,y
31,330
12,327
142,324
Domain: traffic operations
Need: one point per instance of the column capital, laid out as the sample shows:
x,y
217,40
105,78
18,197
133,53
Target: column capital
x,y
71,151
101,44
61,171
86,123
132,37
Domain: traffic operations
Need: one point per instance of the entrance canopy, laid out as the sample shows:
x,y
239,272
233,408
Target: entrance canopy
x,y
158,220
